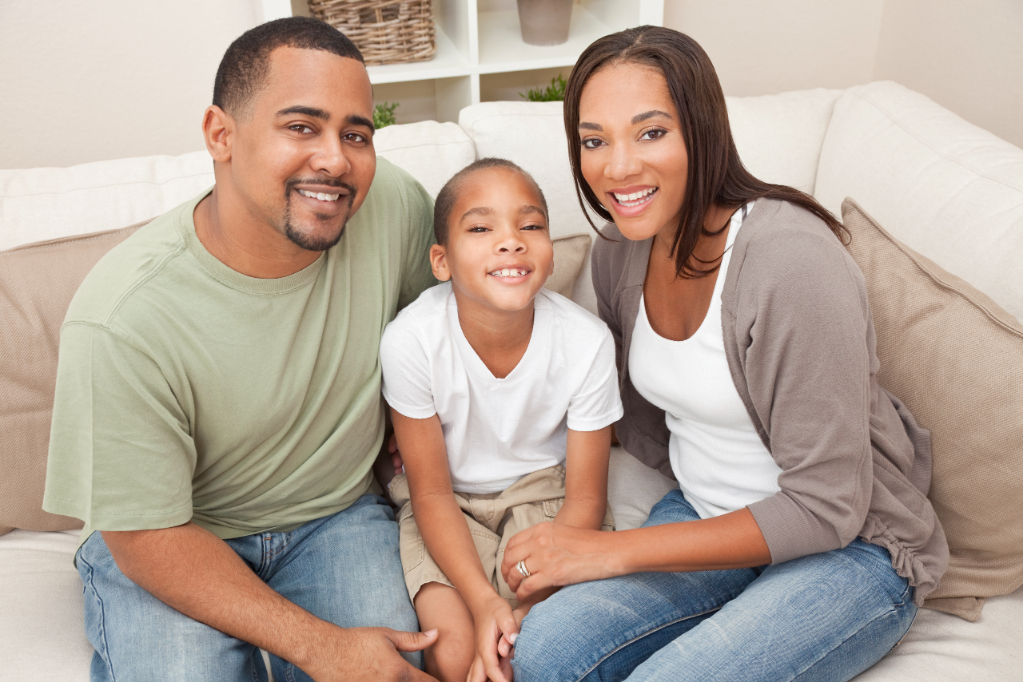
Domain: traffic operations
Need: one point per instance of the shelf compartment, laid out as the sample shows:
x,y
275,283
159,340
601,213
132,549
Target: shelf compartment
x,y
502,48
447,62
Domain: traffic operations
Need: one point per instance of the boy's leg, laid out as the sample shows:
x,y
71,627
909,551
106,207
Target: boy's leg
x,y
138,637
440,606
344,568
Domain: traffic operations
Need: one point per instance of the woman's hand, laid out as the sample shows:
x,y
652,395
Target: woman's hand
x,y
494,622
557,555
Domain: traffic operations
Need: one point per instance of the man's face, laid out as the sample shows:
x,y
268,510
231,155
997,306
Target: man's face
x,y
302,157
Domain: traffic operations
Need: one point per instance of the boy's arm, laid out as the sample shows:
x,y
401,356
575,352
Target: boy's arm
x,y
586,461
446,533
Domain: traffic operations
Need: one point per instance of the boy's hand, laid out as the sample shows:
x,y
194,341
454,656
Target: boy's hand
x,y
507,643
494,622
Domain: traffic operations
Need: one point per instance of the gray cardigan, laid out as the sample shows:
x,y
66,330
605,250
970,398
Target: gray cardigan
x,y
800,344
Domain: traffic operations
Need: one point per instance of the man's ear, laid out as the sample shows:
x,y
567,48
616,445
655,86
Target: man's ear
x,y
218,130
439,262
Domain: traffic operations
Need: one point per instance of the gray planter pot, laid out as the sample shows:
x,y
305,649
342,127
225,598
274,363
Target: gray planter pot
x,y
545,22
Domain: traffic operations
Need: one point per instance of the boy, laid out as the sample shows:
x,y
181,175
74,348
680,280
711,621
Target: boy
x,y
493,385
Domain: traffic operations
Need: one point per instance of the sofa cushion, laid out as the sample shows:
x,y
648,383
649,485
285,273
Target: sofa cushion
x,y
41,204
431,152
571,253
946,188
956,359
36,285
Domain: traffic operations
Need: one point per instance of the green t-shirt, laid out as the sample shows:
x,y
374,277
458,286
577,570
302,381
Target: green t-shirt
x,y
188,391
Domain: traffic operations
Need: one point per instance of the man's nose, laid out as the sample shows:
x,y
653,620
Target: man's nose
x,y
330,157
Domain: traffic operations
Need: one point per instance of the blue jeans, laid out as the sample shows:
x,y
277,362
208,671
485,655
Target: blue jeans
x,y
823,617
343,568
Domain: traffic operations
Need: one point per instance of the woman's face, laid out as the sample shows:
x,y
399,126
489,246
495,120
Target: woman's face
x,y
633,156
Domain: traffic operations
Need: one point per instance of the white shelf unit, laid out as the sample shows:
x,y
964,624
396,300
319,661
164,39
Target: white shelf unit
x,y
480,53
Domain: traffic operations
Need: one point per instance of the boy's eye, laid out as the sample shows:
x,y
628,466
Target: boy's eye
x,y
479,228
533,226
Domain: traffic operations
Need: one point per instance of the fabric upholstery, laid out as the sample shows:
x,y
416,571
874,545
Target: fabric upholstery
x,y
947,189
432,152
570,254
36,285
956,359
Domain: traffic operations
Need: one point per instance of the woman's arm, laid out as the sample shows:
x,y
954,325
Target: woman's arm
x,y
447,536
559,555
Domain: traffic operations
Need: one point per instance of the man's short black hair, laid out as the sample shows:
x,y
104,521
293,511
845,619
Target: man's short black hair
x,y
246,64
448,195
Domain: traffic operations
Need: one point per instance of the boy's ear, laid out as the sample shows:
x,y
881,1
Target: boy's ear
x,y
439,262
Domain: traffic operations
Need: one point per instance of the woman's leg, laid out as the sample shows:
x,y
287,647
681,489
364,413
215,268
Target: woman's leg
x,y
825,617
602,630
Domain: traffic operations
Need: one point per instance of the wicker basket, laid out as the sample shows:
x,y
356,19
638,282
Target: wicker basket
x,y
385,31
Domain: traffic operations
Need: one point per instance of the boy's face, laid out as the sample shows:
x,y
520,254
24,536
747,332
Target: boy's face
x,y
499,251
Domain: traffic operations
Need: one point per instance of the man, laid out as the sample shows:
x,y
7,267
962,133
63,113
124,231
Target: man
x,y
218,395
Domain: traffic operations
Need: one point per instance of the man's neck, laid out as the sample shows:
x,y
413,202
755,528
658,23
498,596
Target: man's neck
x,y
500,340
242,243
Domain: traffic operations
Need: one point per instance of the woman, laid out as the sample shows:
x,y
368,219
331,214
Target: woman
x,y
801,542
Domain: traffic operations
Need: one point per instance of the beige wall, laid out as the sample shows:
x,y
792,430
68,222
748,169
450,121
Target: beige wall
x,y
761,47
88,80
966,56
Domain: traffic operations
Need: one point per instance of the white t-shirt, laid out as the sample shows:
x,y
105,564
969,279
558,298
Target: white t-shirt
x,y
719,460
499,430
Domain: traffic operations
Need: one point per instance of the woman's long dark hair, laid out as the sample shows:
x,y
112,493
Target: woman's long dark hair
x,y
716,175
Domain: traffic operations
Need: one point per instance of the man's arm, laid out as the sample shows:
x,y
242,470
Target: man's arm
x,y
197,573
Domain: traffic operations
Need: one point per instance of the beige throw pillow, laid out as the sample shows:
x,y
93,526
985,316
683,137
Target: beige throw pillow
x,y
569,257
37,282
956,359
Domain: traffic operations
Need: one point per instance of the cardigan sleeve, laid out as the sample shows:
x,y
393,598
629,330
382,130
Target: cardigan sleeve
x,y
802,323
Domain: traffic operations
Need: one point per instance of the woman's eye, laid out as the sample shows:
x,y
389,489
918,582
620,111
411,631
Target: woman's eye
x,y
653,134
591,143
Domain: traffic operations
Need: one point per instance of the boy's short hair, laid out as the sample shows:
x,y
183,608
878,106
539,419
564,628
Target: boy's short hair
x,y
246,63
448,195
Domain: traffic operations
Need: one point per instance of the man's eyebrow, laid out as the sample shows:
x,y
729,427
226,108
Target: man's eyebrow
x,y
307,111
355,119
639,118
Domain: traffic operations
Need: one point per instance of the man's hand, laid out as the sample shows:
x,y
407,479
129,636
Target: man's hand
x,y
370,654
494,622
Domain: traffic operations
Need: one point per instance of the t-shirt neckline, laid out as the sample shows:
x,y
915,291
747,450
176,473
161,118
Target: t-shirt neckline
x,y
232,278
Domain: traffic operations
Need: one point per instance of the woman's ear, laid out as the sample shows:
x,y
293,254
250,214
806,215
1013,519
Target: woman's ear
x,y
218,131
439,262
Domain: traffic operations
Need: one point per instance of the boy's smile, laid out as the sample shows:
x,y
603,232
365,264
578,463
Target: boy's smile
x,y
498,252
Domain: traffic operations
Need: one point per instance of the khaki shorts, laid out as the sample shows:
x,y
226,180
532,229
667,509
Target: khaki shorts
x,y
492,518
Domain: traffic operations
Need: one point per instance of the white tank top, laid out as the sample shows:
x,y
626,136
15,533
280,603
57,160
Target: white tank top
x,y
719,461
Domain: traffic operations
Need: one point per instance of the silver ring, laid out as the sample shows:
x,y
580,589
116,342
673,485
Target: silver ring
x,y
523,571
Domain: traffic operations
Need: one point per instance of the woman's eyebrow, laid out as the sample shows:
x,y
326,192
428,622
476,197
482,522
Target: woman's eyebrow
x,y
639,118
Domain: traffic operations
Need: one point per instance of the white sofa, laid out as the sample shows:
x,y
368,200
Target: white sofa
x,y
948,189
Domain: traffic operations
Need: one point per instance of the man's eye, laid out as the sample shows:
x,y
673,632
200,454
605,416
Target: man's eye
x,y
357,138
300,128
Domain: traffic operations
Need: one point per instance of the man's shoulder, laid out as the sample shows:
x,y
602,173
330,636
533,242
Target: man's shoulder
x,y
128,267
